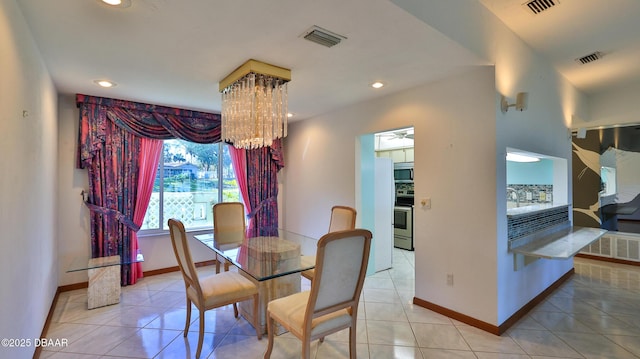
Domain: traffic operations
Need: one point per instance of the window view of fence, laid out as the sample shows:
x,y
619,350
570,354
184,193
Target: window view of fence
x,y
191,178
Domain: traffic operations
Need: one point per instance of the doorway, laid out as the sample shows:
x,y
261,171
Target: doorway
x,y
373,151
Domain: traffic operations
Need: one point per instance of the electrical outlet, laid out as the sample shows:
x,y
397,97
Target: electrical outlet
x,y
426,202
450,279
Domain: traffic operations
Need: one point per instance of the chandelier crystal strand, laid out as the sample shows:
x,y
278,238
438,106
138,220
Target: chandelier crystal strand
x,y
254,110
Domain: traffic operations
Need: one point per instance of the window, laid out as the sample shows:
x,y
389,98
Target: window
x,y
191,178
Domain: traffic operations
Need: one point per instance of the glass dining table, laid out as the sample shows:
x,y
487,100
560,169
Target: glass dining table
x,y
273,263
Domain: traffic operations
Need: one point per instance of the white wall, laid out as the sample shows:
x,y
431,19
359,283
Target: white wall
x,y
454,154
617,106
73,215
461,141
28,262
553,102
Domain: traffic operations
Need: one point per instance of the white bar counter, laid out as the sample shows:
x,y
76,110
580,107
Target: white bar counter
x,y
562,244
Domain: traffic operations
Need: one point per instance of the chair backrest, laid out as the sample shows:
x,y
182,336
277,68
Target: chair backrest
x,y
183,255
341,265
229,222
342,218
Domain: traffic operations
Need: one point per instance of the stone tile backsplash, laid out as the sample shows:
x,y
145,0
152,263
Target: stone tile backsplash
x,y
530,193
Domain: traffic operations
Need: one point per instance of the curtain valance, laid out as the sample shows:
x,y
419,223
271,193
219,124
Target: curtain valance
x,y
143,120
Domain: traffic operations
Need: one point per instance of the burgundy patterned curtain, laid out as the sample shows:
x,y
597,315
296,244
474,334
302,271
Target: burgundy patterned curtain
x,y
110,136
263,165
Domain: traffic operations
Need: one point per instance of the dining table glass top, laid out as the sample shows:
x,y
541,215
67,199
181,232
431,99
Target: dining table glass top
x,y
267,257
82,263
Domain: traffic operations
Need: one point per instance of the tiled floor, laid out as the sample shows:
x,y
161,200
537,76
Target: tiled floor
x,y
596,314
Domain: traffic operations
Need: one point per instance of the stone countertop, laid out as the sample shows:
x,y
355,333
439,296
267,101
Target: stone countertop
x,y
562,244
531,209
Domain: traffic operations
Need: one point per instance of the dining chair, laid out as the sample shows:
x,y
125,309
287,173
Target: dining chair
x,y
209,292
332,303
228,226
342,218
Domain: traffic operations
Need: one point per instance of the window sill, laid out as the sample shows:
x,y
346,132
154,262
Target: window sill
x,y
165,233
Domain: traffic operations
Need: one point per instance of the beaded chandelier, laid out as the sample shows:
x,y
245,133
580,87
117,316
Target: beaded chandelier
x,y
254,105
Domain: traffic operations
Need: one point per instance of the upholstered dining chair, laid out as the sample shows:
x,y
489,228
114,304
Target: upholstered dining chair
x,y
332,303
210,292
342,218
228,226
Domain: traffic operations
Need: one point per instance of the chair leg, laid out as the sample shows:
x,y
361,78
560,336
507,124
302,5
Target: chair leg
x,y
352,342
267,355
306,348
188,321
235,309
256,320
217,264
200,334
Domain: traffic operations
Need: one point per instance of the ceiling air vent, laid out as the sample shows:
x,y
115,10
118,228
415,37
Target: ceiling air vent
x,y
590,58
322,36
538,6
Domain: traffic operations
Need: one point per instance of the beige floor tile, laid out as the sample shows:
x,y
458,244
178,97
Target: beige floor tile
x,y
439,336
392,312
145,343
417,314
100,341
380,295
489,355
289,347
595,314
394,352
173,319
595,346
429,353
379,283
182,347
390,333
560,322
543,343
240,346
630,343
481,341
340,350
343,335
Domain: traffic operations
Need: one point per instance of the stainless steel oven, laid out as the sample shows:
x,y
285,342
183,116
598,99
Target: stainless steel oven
x,y
403,227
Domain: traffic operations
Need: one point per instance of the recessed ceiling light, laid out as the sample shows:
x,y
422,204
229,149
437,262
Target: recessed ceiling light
x,y
290,115
105,83
377,85
117,3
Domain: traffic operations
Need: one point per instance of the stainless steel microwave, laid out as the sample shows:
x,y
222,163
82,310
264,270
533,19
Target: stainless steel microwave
x,y
403,172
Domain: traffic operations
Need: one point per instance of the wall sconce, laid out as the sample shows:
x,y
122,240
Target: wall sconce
x,y
520,105
582,133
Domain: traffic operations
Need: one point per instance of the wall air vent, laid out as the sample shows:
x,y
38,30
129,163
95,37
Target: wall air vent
x,y
322,36
590,58
538,6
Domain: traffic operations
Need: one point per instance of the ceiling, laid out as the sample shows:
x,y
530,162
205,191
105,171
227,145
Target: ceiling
x,y
174,53
574,28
